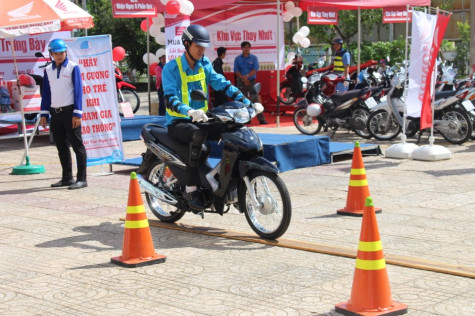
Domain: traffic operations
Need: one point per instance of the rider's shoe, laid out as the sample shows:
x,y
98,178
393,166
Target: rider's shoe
x,y
194,199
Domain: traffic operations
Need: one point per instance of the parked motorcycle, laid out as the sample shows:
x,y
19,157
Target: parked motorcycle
x,y
243,178
126,92
450,118
342,110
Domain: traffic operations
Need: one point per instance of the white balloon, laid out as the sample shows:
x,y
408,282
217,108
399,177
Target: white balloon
x,y
154,30
160,52
287,16
296,11
159,20
160,39
290,56
187,8
298,37
305,42
164,2
304,30
152,57
289,5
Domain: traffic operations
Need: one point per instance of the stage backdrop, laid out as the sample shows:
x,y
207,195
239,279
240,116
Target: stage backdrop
x,y
230,25
101,132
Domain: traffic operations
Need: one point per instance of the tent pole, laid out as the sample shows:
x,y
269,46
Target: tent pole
x,y
148,66
277,119
359,40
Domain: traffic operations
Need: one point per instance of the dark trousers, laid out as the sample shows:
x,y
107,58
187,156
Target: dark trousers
x,y
251,95
64,135
161,102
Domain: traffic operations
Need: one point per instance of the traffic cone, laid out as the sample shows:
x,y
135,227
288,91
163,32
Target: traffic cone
x,y
371,294
137,248
358,189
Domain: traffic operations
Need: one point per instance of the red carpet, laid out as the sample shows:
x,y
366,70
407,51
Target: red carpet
x,y
285,120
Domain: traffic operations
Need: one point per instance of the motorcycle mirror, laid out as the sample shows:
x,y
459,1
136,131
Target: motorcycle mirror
x,y
39,55
198,95
257,88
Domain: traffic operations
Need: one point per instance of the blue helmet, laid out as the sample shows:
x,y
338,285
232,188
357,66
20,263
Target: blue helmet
x,y
57,46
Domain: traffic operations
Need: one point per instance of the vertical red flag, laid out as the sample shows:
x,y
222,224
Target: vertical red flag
x,y
439,31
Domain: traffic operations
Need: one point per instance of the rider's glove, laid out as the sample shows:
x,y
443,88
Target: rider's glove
x,y
197,115
258,107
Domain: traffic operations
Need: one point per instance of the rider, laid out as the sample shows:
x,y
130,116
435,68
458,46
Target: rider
x,y
341,62
180,76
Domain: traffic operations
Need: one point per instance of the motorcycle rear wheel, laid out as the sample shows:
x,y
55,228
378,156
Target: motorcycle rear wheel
x,y
163,211
460,126
273,218
125,95
286,96
359,118
377,125
306,124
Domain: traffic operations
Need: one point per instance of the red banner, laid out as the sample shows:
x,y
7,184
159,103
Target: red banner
x,y
134,8
396,15
439,31
322,15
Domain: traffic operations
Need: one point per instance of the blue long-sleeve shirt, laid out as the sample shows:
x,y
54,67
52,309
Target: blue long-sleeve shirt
x,y
171,82
246,64
62,86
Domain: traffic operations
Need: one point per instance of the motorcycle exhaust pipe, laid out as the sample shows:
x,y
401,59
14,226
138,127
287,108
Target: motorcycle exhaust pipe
x,y
156,192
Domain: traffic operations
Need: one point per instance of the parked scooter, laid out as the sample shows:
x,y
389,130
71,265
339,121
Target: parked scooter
x,y
126,91
243,178
342,110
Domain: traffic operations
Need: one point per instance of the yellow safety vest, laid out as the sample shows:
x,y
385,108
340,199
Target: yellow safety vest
x,y
185,79
338,61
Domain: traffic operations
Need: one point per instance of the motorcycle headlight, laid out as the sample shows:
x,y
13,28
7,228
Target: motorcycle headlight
x,y
241,115
314,78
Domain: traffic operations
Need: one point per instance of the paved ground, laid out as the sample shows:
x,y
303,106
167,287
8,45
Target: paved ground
x,y
56,245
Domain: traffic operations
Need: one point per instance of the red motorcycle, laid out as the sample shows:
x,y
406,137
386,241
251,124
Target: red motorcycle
x,y
293,87
126,92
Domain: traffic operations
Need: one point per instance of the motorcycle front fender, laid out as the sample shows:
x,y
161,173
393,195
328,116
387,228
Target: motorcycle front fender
x,y
256,163
125,85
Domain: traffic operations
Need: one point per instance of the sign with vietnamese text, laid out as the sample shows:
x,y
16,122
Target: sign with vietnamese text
x,y
322,15
101,131
174,27
396,15
25,47
134,8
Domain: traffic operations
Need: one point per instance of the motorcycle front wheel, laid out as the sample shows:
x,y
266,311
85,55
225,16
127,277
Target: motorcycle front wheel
x,y
383,125
272,218
163,211
460,126
131,96
306,124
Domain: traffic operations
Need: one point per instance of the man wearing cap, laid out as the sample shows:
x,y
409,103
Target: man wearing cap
x,y
158,85
341,62
62,98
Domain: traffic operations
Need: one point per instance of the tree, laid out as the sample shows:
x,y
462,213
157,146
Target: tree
x,y
125,32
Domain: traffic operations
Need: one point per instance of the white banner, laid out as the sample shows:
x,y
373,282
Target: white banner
x,y
174,27
101,132
421,42
25,48
232,24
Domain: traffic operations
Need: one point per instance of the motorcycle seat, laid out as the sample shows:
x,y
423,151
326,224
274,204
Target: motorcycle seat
x,y
444,94
160,133
339,98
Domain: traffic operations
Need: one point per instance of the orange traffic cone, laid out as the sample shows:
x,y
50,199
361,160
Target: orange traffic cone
x,y
358,189
137,248
371,294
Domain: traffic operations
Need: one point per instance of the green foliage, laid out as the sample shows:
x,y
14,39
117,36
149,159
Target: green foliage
x,y
379,50
463,48
125,32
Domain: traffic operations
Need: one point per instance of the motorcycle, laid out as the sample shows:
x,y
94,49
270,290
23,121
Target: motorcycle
x,y
126,92
348,110
243,178
451,120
